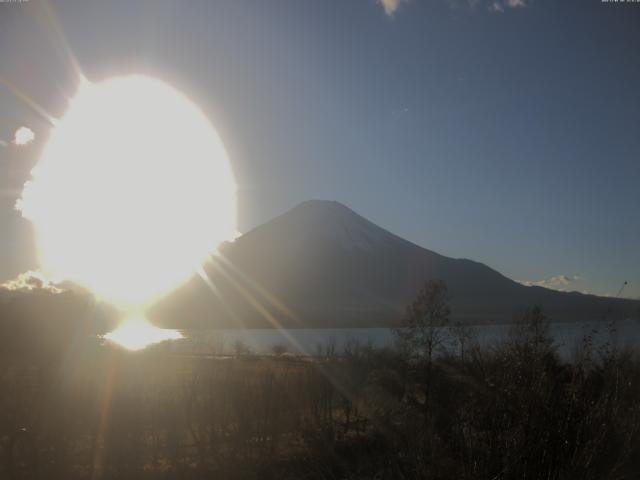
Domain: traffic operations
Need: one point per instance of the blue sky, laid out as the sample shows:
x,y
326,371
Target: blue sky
x,y
503,131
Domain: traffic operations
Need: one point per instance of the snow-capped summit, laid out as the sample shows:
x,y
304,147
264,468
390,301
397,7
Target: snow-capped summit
x,y
335,222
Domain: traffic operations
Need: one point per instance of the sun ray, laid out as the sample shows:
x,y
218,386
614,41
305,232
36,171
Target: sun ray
x,y
255,303
209,283
333,379
30,102
103,422
59,38
270,297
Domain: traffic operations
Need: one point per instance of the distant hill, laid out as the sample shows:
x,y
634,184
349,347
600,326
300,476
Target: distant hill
x,y
323,265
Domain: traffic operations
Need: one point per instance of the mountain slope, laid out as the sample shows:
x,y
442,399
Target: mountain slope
x,y
322,265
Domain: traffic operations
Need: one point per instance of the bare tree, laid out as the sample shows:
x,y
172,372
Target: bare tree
x,y
462,335
422,331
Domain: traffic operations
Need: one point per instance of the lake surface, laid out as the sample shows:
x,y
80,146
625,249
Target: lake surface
x,y
308,341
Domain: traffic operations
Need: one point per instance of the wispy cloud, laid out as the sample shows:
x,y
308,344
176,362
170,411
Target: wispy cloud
x,y
390,6
495,6
502,5
558,282
399,112
23,136
29,281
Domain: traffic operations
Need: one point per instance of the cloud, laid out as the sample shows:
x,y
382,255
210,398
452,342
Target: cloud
x,y
501,5
23,136
397,113
559,282
496,6
29,281
390,6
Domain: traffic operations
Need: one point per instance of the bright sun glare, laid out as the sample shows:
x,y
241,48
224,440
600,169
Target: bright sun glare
x,y
137,333
132,193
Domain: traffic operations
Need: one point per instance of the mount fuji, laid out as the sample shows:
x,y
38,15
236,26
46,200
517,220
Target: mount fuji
x,y
322,265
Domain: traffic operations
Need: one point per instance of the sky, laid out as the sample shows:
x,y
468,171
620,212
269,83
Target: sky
x,y
503,131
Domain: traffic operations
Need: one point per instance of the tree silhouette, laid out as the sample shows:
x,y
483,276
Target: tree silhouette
x,y
422,330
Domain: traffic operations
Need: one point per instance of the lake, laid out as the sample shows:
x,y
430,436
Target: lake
x,y
307,341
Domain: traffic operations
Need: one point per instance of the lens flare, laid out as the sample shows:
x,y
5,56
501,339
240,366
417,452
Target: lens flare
x,y
132,193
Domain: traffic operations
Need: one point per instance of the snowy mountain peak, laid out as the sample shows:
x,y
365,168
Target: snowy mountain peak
x,y
333,221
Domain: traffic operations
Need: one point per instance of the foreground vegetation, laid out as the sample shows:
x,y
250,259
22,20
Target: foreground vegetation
x,y
513,410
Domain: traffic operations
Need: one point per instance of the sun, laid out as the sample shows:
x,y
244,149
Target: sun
x,y
134,190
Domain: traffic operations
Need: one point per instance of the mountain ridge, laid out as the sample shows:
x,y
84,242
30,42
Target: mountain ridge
x,y
320,264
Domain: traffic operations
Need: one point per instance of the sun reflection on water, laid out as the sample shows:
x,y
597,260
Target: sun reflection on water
x,y
138,333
